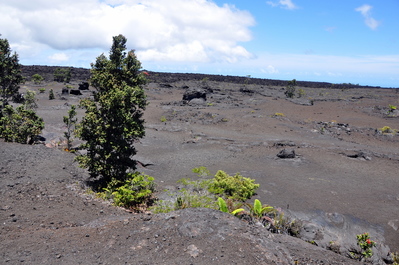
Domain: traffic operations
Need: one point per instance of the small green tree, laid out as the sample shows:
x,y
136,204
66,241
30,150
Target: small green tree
x,y
10,73
37,79
20,125
51,95
70,122
290,89
30,100
113,119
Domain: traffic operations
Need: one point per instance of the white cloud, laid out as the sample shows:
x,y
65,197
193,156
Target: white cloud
x,y
365,10
270,69
287,4
59,57
175,30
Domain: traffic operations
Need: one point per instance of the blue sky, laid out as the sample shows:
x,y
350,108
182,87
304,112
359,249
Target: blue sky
x,y
339,41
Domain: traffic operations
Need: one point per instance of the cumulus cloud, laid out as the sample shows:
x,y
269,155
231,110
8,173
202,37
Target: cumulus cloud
x,y
371,22
287,4
174,30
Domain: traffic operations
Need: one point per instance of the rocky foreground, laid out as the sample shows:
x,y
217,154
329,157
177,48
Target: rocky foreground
x,y
47,219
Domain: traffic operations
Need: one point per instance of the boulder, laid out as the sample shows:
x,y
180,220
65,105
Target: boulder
x,y
84,86
65,91
75,92
286,153
195,94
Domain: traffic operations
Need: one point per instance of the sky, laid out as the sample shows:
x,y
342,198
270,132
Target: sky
x,y
337,41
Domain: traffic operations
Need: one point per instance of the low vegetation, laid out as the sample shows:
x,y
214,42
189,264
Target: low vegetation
x,y
278,114
20,125
135,192
387,130
301,93
62,75
30,100
234,187
205,191
227,194
290,89
37,79
365,244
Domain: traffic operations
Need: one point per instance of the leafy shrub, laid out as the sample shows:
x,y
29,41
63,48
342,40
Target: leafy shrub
x,y
386,129
366,245
278,114
62,75
301,93
235,187
20,125
201,171
30,100
42,90
51,95
37,79
290,89
135,192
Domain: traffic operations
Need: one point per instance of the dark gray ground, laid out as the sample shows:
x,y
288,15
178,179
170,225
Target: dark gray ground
x,y
344,178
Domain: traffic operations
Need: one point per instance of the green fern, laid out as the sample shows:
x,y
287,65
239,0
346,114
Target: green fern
x,y
257,209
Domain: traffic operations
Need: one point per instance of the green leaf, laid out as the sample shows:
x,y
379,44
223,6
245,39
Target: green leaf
x,y
222,205
257,207
235,212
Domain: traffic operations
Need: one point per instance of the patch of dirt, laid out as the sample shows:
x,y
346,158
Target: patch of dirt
x,y
343,167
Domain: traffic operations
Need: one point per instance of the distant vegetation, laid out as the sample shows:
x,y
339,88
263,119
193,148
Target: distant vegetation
x,y
37,79
62,75
290,88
